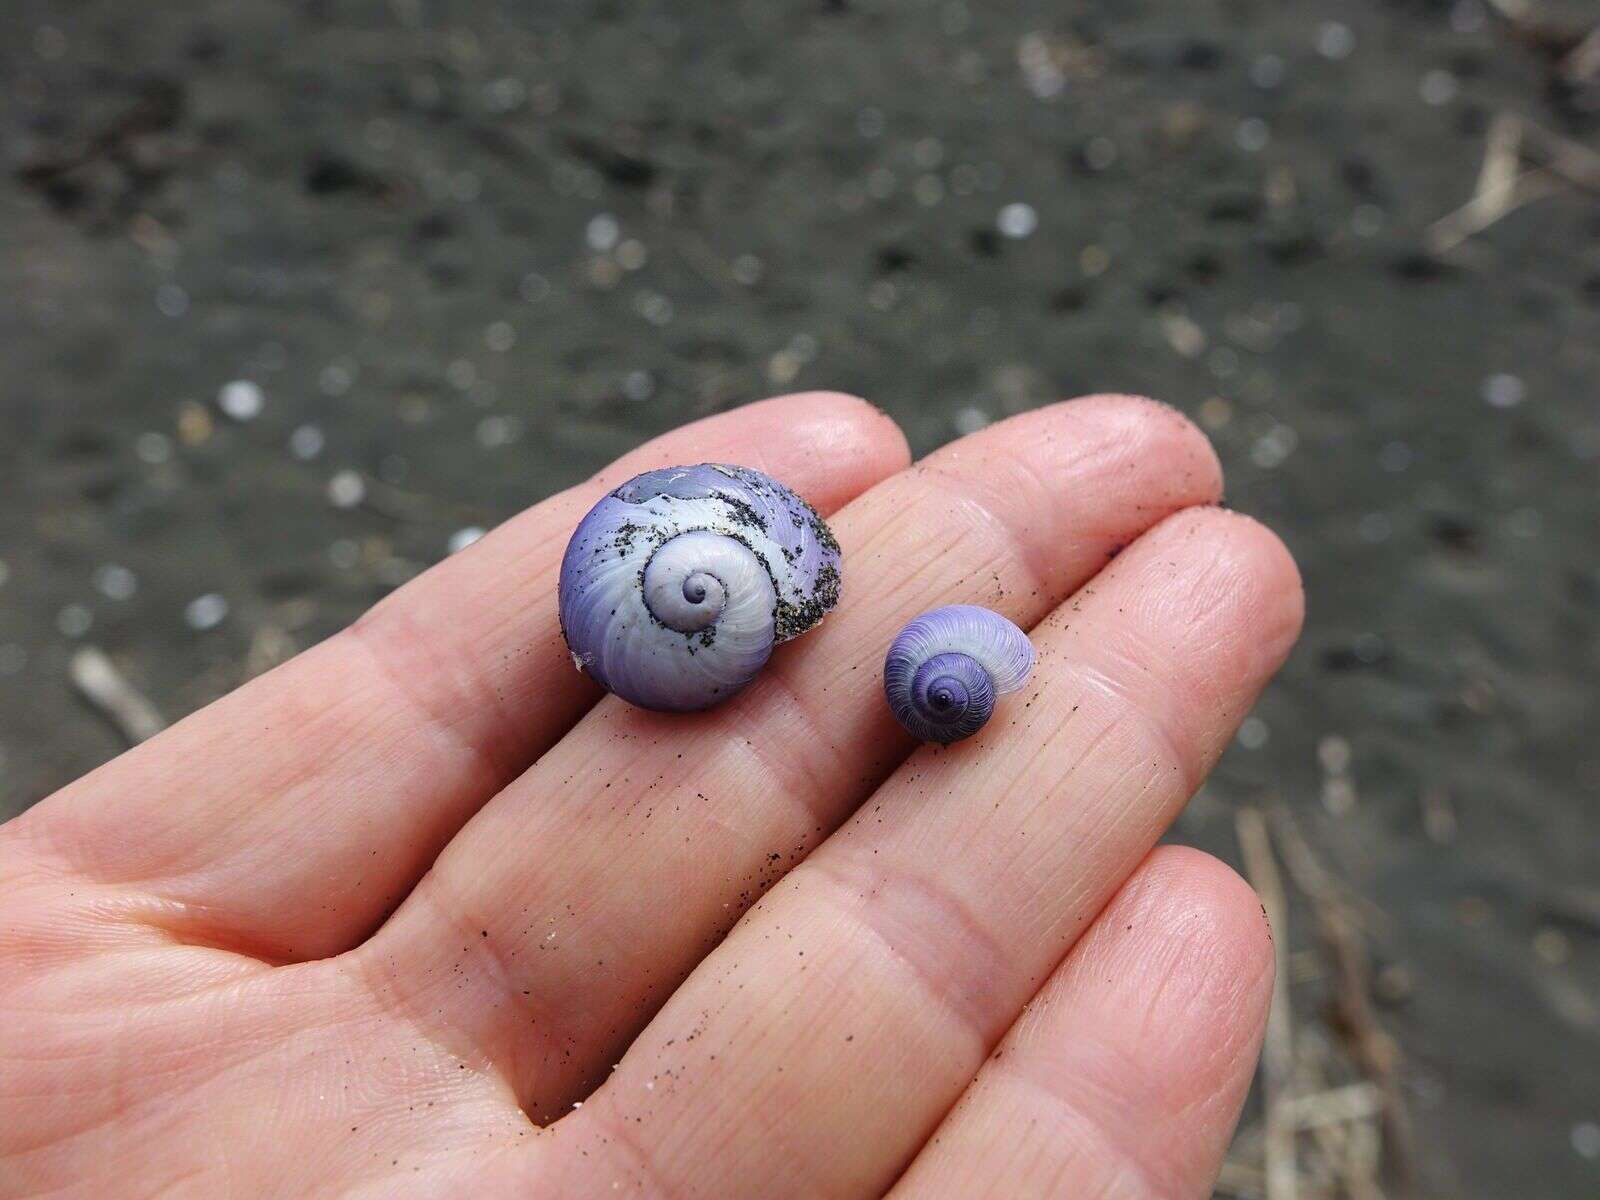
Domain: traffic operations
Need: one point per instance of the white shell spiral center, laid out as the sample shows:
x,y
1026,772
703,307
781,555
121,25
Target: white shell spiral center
x,y
688,580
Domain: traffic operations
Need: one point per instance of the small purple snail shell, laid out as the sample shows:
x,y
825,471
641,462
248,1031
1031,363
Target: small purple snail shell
x,y
677,585
945,669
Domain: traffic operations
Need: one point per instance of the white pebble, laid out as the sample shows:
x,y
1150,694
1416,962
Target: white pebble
x,y
74,620
153,448
534,287
1100,153
497,431
1017,220
1369,648
1338,795
602,233
783,366
306,442
653,307
344,554
639,386
1273,447
970,419
242,400
632,255
462,538
205,612
1335,40
171,300
1438,88
347,489
1267,72
336,379
1586,1139
505,93
1333,752
1253,733
1504,391
747,269
500,337
1252,135
116,582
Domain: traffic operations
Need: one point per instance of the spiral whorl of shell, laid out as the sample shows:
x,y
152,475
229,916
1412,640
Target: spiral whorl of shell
x,y
946,668
678,584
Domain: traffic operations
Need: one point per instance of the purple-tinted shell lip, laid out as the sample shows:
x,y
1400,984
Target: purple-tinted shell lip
x,y
979,653
666,669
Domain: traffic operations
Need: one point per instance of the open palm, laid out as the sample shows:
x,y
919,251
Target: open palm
x,y
421,914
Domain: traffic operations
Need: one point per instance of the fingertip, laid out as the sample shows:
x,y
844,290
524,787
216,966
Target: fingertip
x,y
1154,457
1262,561
1187,961
1162,431
1230,565
1081,479
859,423
1190,890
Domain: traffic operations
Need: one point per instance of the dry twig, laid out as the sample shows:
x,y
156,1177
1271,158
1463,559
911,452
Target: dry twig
x,y
1572,161
1503,187
1582,65
1506,181
1340,925
100,683
1282,1178
1336,1106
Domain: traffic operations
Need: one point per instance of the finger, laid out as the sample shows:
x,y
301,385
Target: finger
x,y
1127,1072
840,1021
287,819
591,887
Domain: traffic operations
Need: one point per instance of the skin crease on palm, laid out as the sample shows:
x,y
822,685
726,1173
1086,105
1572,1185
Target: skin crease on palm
x,y
421,913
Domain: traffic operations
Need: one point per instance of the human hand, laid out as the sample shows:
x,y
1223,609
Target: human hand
x,y
420,914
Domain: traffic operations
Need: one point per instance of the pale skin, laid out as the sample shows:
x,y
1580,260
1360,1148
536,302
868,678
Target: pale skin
x,y
421,913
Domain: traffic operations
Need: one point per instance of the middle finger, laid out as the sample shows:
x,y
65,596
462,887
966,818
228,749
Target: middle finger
x,y
566,912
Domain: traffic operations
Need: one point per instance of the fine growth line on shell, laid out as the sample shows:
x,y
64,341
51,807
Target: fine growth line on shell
x,y
945,670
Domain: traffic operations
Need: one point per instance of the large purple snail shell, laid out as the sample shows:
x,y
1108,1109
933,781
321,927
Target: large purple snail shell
x,y
945,669
676,586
